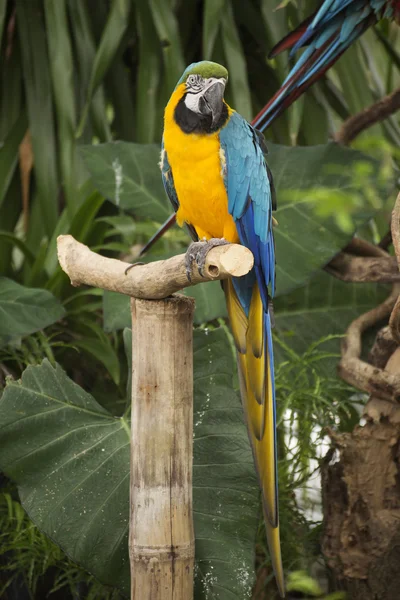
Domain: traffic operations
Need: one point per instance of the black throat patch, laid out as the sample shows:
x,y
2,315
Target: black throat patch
x,y
191,122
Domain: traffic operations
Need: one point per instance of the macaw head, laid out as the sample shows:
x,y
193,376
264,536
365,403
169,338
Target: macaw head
x,y
199,98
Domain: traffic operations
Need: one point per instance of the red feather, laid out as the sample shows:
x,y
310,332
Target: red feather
x,y
291,38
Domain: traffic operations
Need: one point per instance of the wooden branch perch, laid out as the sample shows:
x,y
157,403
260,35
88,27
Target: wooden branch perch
x,y
368,117
152,281
161,538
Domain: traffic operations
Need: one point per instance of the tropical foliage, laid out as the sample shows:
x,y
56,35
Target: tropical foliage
x,y
76,75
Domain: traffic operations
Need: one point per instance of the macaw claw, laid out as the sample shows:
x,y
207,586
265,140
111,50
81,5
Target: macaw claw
x,y
137,264
198,251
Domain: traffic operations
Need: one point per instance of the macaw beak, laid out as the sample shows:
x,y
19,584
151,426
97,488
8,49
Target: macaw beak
x,y
211,102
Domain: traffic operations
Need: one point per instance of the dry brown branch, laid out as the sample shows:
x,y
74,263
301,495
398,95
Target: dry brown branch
x,y
394,322
348,267
359,373
360,247
375,113
383,348
360,262
153,281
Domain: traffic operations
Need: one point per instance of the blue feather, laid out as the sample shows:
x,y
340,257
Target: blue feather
x,y
333,28
250,200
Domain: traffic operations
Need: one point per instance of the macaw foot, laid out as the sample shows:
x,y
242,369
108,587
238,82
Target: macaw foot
x,y
133,265
198,251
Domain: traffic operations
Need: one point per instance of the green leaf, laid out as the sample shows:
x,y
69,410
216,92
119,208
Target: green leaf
x,y
3,6
13,240
70,459
128,175
86,51
210,305
118,85
210,301
167,28
102,350
116,311
278,24
84,218
307,180
324,307
249,16
236,63
212,17
395,56
9,154
9,215
225,489
12,97
114,30
62,73
148,75
353,79
32,34
25,310
300,581
79,228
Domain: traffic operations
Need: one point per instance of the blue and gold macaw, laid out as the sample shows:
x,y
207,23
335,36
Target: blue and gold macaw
x,y
216,177
325,35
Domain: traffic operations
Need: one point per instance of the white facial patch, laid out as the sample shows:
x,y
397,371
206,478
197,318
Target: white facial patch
x,y
196,88
192,101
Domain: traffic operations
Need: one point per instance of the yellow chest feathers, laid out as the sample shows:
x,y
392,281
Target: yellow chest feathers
x,y
197,162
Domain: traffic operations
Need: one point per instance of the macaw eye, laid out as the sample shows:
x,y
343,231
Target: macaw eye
x,y
195,81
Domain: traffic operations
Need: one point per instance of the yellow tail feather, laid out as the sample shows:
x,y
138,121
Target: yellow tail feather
x,y
257,398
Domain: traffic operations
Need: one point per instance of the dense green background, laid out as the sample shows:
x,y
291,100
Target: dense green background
x,y
76,75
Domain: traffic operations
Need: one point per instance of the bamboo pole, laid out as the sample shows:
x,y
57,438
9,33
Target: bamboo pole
x,y
161,538
161,541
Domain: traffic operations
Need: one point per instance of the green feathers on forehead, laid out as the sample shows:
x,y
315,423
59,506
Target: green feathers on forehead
x,y
206,69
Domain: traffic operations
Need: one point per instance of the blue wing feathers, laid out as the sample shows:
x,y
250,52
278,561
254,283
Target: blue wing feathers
x,y
167,179
325,36
250,197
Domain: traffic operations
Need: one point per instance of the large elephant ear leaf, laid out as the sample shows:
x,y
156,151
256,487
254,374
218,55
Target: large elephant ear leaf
x,y
128,175
315,186
225,489
324,308
25,310
70,460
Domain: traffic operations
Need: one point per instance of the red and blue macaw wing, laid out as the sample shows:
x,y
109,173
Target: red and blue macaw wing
x,y
251,199
326,35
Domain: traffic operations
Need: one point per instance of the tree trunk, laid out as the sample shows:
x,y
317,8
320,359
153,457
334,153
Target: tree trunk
x,y
361,503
